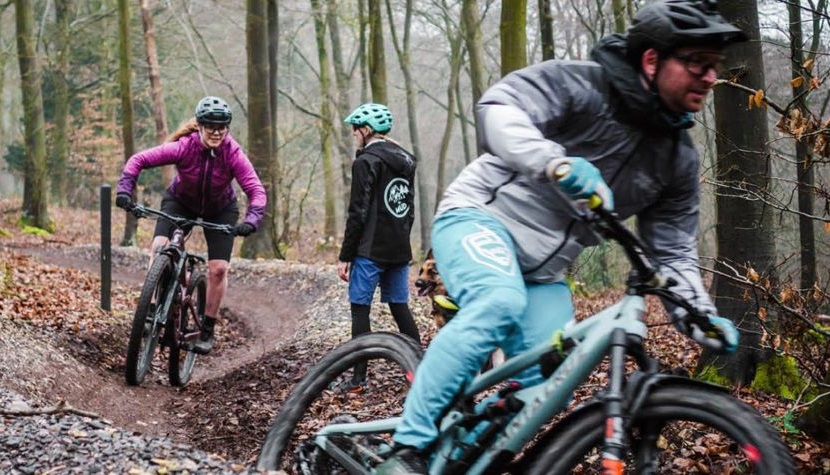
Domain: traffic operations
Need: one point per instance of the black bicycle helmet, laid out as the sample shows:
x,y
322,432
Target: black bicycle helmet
x,y
671,24
213,110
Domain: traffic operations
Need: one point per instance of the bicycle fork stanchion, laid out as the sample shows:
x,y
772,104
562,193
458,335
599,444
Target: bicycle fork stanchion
x,y
106,255
614,448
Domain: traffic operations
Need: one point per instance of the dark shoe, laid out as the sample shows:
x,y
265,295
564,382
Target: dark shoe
x,y
405,461
350,386
206,340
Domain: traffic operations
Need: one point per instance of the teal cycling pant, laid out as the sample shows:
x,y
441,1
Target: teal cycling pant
x,y
476,258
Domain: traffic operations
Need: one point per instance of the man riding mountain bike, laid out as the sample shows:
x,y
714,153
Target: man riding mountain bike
x,y
614,127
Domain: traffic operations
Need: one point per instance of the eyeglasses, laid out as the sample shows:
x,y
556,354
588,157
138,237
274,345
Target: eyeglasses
x,y
699,64
211,129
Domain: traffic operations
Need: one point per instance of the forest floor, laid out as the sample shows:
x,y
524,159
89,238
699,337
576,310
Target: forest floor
x,y
278,318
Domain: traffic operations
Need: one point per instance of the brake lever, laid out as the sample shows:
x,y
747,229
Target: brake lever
x,y
138,211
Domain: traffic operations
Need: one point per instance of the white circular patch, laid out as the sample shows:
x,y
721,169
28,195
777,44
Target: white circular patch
x,y
395,197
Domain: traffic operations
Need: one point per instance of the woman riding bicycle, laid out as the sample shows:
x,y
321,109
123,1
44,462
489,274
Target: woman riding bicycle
x,y
626,112
207,160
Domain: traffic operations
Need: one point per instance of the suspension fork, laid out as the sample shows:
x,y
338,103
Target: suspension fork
x,y
614,435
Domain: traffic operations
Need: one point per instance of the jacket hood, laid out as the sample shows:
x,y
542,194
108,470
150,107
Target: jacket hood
x,y
640,105
394,156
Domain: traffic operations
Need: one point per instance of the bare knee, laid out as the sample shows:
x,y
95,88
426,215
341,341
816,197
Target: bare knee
x,y
217,270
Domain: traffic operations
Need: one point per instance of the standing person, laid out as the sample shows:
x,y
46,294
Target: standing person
x,y
207,160
376,249
503,236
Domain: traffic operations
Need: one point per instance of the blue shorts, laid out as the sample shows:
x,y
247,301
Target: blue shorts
x,y
364,276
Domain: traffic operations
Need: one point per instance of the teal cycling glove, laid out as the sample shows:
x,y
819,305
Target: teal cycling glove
x,y
580,179
723,337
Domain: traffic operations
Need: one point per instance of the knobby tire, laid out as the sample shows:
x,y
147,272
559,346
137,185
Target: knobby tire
x,y
395,348
695,429
181,360
142,343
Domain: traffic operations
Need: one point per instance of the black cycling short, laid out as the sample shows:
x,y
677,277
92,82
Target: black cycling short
x,y
220,245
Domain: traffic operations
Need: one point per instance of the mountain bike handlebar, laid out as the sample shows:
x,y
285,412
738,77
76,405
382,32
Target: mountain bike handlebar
x,y
646,278
141,211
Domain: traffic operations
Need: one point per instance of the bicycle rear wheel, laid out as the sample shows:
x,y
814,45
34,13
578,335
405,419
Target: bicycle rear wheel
x,y
679,429
321,398
147,320
181,361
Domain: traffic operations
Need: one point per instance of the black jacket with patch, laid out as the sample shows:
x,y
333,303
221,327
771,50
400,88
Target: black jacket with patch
x,y
382,205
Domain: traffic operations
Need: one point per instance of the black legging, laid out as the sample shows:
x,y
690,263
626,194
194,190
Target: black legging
x,y
361,324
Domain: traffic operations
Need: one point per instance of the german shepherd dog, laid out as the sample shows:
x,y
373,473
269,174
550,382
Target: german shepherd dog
x,y
429,284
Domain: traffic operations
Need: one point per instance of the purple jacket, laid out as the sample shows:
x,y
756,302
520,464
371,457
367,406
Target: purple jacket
x,y
203,182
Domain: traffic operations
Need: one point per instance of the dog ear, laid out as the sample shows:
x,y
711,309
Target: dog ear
x,y
429,255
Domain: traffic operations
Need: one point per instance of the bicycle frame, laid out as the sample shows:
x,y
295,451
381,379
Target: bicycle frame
x,y
183,263
614,331
593,337
174,251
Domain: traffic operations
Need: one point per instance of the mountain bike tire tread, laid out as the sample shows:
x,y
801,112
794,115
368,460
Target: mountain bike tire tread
x,y
399,348
136,371
568,446
178,371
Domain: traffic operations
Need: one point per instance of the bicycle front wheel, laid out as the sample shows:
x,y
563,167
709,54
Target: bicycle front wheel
x,y
679,429
147,320
325,395
181,361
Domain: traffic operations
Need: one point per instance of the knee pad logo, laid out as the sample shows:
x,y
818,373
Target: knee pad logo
x,y
488,248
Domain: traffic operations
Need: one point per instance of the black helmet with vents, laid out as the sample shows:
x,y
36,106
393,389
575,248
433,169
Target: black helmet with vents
x,y
671,24
213,110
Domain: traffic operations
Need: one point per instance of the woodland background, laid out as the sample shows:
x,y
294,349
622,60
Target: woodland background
x,y
84,84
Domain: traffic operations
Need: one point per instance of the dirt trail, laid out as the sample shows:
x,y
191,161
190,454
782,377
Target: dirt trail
x,y
266,312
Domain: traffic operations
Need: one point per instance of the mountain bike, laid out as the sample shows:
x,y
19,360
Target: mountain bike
x,y
640,421
171,304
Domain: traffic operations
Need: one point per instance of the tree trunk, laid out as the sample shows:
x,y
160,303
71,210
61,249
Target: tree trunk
x,y
343,83
131,223
455,68
35,197
804,166
402,51
329,219
513,35
273,67
463,122
362,52
546,29
618,7
816,420
156,92
273,183
60,138
471,25
377,60
743,225
265,242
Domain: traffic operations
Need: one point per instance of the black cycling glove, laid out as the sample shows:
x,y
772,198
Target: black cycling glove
x,y
123,201
244,229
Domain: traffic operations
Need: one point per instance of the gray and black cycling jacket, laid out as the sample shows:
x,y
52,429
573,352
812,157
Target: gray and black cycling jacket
x,y
602,111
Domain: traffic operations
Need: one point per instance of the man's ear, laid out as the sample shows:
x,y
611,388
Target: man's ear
x,y
648,63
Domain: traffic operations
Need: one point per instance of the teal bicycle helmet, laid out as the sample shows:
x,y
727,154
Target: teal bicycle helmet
x,y
213,110
376,116
672,24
